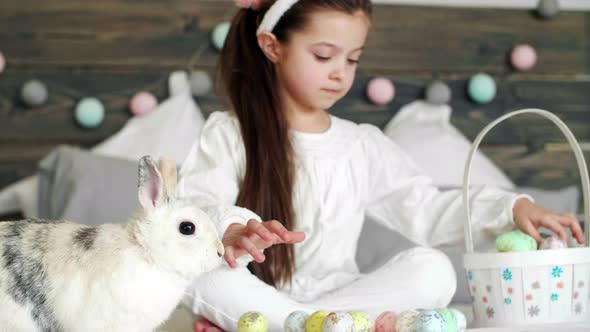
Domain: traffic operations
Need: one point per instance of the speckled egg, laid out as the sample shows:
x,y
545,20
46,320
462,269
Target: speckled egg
x,y
405,321
552,242
362,321
461,320
295,322
515,241
449,318
315,321
429,321
338,322
252,321
385,322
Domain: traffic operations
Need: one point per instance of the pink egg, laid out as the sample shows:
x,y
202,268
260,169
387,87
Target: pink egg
x,y
553,242
380,91
385,322
142,103
2,62
523,57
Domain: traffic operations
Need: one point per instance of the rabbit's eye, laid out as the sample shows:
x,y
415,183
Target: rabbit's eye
x,y
187,228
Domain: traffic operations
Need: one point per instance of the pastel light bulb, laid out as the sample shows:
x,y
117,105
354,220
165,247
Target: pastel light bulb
x,y
523,57
219,34
89,113
142,103
481,88
380,91
34,93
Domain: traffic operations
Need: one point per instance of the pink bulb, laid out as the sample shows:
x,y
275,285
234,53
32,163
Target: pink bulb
x,y
2,62
380,91
523,57
385,322
142,103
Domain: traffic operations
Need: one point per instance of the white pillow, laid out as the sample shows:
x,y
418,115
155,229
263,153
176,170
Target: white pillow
x,y
424,131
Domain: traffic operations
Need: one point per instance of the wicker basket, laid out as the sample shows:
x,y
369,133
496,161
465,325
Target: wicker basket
x,y
528,288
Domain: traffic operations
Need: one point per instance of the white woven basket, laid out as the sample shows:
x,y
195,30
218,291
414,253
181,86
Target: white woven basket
x,y
528,288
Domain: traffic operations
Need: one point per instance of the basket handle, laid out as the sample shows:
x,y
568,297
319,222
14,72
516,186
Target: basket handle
x,y
572,142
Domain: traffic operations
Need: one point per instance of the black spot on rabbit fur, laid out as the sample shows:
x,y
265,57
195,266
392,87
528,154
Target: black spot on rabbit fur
x,y
27,281
85,237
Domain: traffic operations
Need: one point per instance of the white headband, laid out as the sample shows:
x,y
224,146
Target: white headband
x,y
274,14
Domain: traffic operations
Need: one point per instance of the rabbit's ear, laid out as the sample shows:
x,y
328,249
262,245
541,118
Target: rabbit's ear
x,y
168,170
151,186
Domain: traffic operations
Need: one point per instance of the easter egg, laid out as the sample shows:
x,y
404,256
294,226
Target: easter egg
x,y
515,241
438,93
362,321
34,93
405,321
385,322
89,112
315,321
380,91
523,57
552,242
461,320
295,322
449,319
219,34
252,321
429,321
338,322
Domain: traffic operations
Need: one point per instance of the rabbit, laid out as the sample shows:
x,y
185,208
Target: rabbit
x,y
63,276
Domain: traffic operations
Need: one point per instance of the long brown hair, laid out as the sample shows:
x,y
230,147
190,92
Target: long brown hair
x,y
250,82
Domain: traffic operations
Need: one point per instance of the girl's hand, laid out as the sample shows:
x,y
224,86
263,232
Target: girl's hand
x,y
529,216
240,240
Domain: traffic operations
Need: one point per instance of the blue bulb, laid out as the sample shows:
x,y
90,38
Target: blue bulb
x,y
90,113
481,88
219,35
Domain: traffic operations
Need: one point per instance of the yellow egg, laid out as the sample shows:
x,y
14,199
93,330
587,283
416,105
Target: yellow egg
x,y
252,321
315,321
362,321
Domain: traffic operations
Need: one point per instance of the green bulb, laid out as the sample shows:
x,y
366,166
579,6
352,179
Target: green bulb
x,y
89,113
219,35
481,88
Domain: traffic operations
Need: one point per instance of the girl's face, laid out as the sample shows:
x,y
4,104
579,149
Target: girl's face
x,y
318,64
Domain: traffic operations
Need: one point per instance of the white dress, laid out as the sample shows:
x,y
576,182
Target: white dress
x,y
342,175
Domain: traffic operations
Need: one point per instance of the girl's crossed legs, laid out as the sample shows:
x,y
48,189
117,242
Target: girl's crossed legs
x,y
415,278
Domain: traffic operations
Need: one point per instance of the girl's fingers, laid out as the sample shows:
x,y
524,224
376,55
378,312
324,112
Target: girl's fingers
x,y
251,248
297,237
532,231
571,221
278,228
229,256
256,227
552,224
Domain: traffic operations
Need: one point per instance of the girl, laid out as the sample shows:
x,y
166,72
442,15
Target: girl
x,y
281,156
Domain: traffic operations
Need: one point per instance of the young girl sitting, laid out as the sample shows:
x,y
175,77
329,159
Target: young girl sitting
x,y
290,185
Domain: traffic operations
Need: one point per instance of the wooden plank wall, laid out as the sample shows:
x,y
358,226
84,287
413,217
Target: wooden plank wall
x,y
112,48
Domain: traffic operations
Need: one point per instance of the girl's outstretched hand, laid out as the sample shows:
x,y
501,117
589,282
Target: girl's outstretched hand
x,y
529,216
251,238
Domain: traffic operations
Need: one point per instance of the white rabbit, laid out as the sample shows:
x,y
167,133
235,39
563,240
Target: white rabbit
x,y
61,276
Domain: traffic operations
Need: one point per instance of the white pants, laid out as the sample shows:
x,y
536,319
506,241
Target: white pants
x,y
415,278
